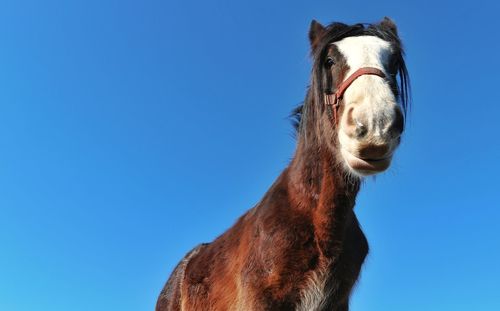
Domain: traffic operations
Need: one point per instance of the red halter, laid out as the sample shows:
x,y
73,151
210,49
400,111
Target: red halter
x,y
334,99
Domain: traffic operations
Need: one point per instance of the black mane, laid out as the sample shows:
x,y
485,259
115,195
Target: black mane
x,y
336,32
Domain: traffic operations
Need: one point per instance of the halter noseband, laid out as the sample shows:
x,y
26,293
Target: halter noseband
x,y
334,99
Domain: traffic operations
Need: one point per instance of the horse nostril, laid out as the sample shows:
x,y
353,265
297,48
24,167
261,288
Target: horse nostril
x,y
354,127
398,124
361,129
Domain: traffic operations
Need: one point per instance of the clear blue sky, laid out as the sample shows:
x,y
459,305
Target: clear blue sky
x,y
130,131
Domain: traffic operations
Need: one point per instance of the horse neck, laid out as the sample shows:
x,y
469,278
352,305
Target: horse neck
x,y
317,183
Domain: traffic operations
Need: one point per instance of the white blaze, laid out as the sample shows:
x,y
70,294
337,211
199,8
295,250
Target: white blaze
x,y
372,95
365,51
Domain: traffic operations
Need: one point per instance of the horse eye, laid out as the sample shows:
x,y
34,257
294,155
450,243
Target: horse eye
x,y
329,62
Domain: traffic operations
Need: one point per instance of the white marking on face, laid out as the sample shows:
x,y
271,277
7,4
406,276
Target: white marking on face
x,y
371,96
365,51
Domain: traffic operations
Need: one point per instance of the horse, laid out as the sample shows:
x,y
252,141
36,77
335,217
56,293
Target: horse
x,y
301,247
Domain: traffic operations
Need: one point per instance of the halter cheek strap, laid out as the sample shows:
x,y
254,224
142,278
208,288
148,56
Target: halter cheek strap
x,y
334,99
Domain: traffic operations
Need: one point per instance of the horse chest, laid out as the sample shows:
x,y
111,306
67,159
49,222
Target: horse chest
x,y
314,295
328,288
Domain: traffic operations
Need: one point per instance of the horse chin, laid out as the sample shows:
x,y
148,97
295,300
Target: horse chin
x,y
365,167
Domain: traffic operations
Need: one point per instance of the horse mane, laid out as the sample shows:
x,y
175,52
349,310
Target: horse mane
x,y
336,32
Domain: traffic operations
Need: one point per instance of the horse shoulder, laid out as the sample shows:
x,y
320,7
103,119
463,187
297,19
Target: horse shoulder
x,y
170,298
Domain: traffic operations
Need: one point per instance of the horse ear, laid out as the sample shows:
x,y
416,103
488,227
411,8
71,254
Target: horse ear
x,y
389,24
316,31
